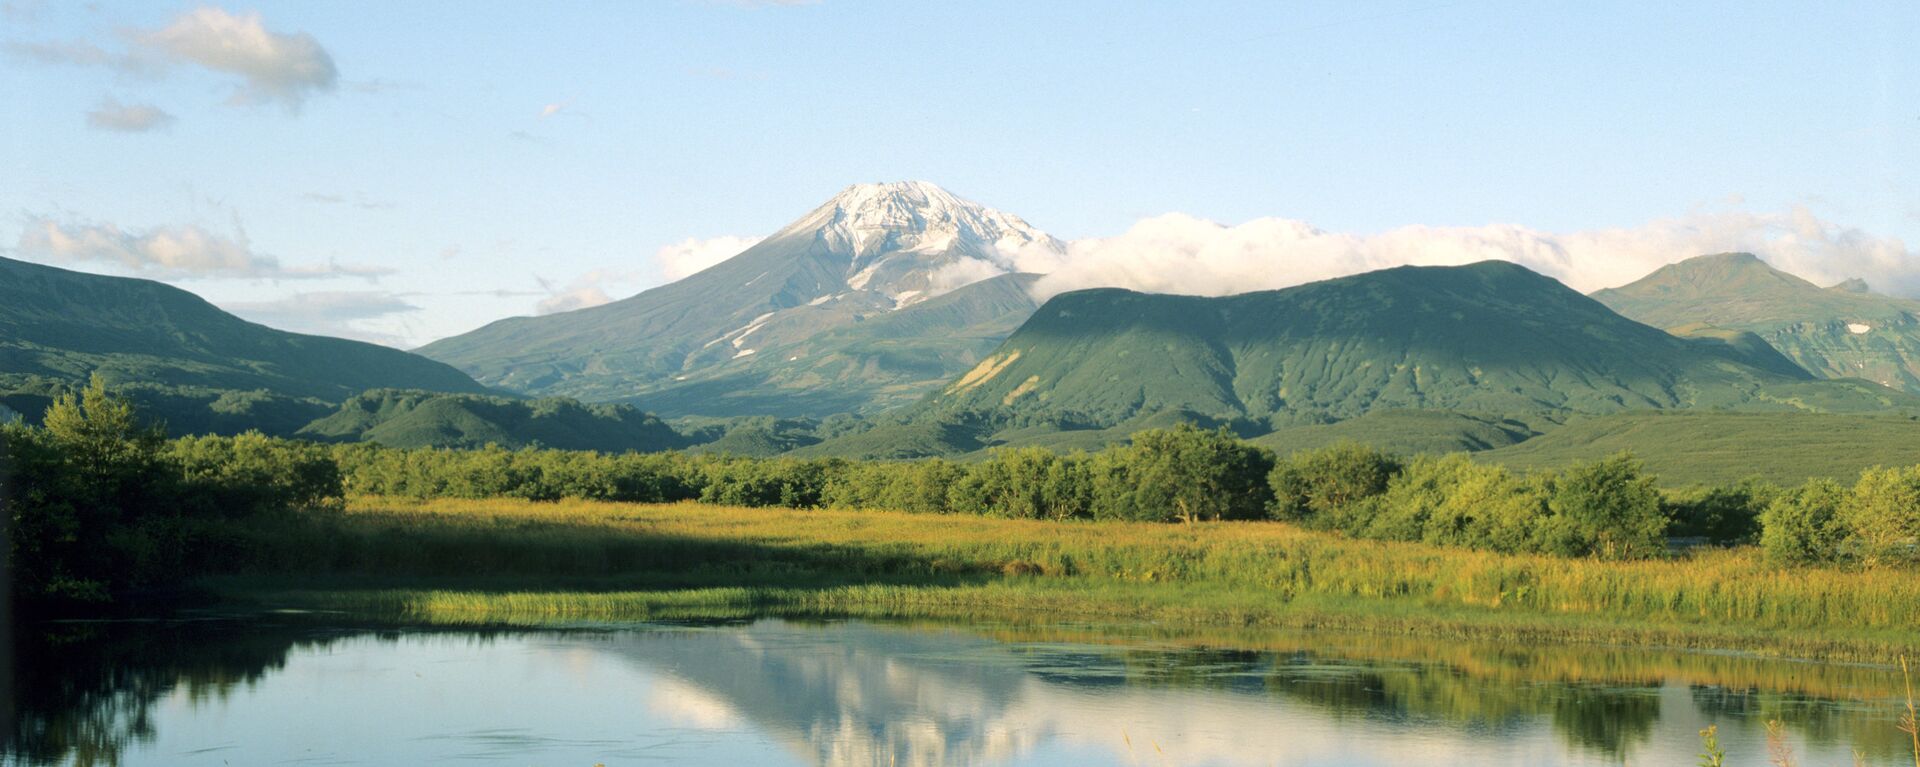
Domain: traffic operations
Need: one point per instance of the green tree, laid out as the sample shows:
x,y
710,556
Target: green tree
x,y
1802,526
1453,501
1882,516
101,435
1726,514
85,480
1027,483
1190,474
1608,508
1324,482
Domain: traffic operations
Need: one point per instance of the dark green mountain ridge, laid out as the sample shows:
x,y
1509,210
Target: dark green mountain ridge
x,y
183,359
401,418
1491,337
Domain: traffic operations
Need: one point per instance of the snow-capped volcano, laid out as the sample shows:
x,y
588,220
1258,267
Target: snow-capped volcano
x,y
911,239
872,299
864,220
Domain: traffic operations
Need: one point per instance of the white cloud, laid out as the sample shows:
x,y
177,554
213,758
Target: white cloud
x,y
585,291
167,252
272,66
676,261
694,254
330,313
1178,253
112,115
961,273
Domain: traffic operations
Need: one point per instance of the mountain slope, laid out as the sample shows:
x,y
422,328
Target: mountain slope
x,y
1490,337
790,313
1694,447
63,326
1837,332
881,362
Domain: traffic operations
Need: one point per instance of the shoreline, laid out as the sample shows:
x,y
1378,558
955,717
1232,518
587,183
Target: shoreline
x,y
511,561
1162,610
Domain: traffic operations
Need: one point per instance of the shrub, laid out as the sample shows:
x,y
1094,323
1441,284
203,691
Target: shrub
x,y
1802,526
780,482
1724,515
1454,501
1027,483
919,486
1318,483
1189,474
1882,516
1608,508
254,474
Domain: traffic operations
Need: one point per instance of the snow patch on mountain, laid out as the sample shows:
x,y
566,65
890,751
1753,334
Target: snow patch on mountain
x,y
912,240
739,335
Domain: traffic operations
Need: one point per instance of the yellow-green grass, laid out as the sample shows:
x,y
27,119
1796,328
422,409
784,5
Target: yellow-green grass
x,y
504,561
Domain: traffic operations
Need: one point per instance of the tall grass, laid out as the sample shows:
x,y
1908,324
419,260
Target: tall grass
x,y
480,559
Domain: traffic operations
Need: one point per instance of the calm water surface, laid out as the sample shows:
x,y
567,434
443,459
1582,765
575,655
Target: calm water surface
x,y
277,690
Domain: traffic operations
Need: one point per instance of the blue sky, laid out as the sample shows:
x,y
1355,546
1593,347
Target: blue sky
x,y
463,162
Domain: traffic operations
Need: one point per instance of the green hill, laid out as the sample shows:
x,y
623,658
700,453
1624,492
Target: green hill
x,y
180,358
181,409
1686,448
399,418
1490,337
1843,331
904,439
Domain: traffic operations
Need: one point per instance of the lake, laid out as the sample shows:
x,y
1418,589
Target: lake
x,y
293,689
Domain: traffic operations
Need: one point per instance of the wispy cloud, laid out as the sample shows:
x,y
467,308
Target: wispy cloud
x,y
379,85
82,53
168,252
272,67
1178,253
331,313
112,115
696,254
563,108
358,199
21,11
502,292
600,286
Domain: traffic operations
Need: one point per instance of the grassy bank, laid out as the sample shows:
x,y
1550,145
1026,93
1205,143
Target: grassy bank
x,y
521,562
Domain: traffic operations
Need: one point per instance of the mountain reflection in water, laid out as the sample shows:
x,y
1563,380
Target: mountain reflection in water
x,y
773,691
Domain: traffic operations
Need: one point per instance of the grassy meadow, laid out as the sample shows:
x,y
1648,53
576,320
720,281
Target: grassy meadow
x,y
514,561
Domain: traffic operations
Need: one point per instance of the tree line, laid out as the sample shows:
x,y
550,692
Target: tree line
x,y
100,505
